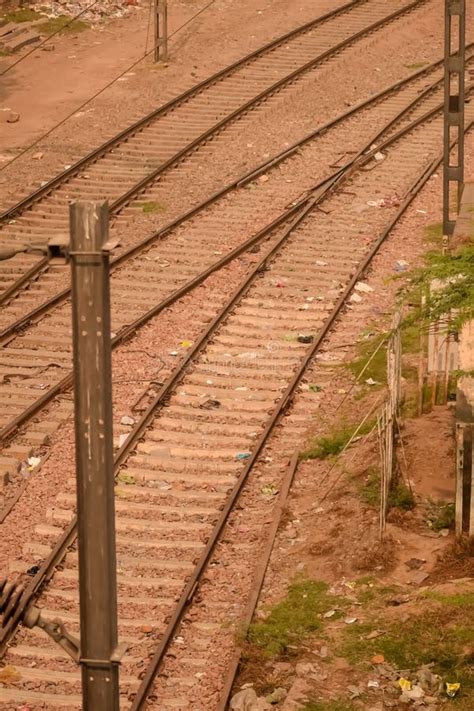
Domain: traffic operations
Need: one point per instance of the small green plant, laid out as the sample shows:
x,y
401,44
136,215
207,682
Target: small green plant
x,y
369,491
401,497
294,618
441,515
333,444
456,271
152,206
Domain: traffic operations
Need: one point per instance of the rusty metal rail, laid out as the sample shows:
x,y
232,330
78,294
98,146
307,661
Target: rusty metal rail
x,y
64,384
138,188
60,549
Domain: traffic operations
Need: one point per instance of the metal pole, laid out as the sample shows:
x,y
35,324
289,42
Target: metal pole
x,y
454,97
94,456
160,12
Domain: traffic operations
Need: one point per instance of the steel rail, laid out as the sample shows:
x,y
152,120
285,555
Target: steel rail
x,y
132,251
66,382
47,568
281,406
173,103
12,427
139,187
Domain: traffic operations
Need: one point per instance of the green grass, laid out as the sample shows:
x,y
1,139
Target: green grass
x,y
440,636
377,367
369,490
60,24
24,14
150,207
294,618
399,496
333,444
434,232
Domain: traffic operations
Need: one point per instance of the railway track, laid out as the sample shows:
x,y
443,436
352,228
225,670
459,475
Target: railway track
x,y
126,169
199,440
35,358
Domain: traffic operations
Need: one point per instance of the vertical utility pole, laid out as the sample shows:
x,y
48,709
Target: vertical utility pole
x,y
454,95
160,12
94,455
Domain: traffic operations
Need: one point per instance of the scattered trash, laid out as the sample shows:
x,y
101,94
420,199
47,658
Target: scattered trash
x,y
378,659
241,456
264,179
33,570
269,490
362,286
37,156
371,381
302,338
414,694
401,265
186,344
329,614
452,689
146,629
33,462
355,298
414,563
320,263
376,203
210,404
350,620
315,388
122,439
276,696
9,674
174,353
379,156
404,684
126,420
372,684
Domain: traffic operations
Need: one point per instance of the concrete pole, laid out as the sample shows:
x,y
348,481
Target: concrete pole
x,y
94,455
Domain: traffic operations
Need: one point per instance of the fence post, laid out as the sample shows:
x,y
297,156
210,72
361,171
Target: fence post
x,y
94,455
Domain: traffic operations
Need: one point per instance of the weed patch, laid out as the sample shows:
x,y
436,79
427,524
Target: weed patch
x,y
441,515
294,618
332,445
439,636
148,207
24,14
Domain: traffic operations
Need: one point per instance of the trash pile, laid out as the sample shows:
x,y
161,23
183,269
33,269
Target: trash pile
x,y
96,10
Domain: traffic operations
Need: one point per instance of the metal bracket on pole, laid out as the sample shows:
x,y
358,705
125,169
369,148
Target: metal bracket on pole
x,y
160,8
99,655
454,97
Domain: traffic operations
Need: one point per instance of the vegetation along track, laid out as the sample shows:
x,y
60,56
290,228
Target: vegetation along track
x,y
198,441
126,166
35,365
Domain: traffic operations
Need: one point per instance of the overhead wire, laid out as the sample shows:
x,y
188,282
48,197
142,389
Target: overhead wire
x,y
100,91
